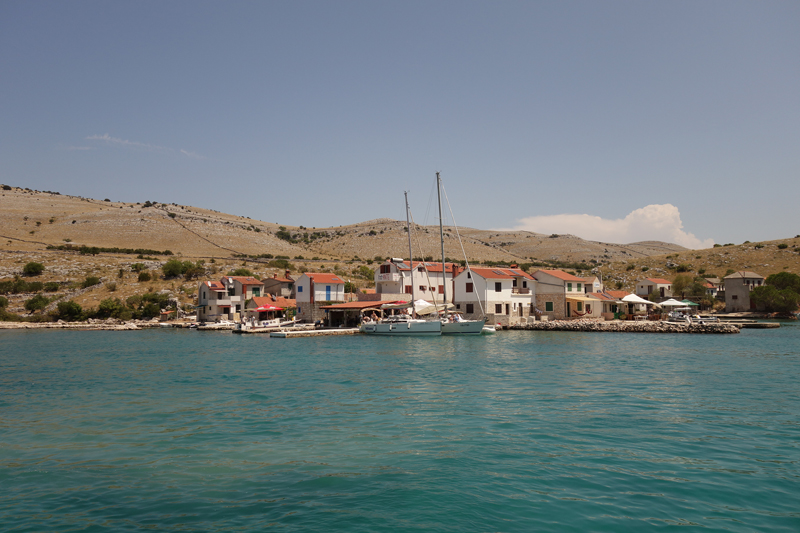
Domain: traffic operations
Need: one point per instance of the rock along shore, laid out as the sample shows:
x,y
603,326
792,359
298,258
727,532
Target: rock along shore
x,y
627,327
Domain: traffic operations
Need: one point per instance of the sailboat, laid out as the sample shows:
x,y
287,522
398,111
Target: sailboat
x,y
404,324
453,324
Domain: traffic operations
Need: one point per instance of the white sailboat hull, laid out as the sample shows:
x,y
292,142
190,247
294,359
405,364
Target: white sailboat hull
x,y
465,327
416,327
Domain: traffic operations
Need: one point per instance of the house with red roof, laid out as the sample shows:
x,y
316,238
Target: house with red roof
x,y
393,278
647,286
225,299
315,289
280,285
504,295
561,295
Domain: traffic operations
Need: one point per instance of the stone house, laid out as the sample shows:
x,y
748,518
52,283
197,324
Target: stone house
x,y
280,286
737,290
314,290
225,299
561,295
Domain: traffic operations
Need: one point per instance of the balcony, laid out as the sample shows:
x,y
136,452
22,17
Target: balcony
x,y
387,277
517,290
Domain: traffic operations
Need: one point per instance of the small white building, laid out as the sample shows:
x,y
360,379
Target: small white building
x,y
645,287
315,289
506,294
592,284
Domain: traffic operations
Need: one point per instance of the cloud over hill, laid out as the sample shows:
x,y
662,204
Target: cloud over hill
x,y
656,222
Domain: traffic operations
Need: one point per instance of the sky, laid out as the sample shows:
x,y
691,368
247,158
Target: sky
x,y
617,121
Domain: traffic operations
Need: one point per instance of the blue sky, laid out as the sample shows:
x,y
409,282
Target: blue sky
x,y
616,121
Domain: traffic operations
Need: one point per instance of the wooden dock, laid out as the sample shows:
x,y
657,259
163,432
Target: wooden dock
x,y
290,334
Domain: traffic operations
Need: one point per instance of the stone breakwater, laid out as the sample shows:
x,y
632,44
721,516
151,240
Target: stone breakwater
x,y
627,327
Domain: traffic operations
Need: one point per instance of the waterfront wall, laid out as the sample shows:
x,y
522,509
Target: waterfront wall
x,y
626,326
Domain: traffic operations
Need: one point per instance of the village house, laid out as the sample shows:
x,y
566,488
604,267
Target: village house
x,y
314,290
225,299
274,305
645,287
560,295
280,286
737,290
592,284
393,280
505,294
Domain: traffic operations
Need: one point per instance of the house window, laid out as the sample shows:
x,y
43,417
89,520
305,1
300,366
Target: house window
x,y
441,289
514,282
498,286
299,288
734,297
469,275
588,308
422,288
408,289
458,306
569,287
420,269
498,309
524,284
548,307
580,307
470,308
256,292
231,291
299,310
579,287
385,269
470,287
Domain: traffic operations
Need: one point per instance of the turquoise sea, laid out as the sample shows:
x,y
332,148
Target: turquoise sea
x,y
178,430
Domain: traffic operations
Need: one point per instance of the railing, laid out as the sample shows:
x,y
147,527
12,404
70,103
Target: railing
x,y
388,277
516,290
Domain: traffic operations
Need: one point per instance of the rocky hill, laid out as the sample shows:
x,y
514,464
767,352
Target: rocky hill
x,y
50,228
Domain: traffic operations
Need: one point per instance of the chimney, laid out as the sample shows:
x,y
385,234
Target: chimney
x,y
286,274
275,276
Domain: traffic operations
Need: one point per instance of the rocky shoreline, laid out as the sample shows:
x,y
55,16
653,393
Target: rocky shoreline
x,y
620,326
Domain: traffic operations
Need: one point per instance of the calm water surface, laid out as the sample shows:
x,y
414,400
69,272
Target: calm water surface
x,y
521,431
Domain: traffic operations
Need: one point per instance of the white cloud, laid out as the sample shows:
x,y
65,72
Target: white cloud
x,y
128,144
108,139
651,223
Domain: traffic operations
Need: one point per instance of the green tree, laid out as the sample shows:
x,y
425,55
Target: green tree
x,y
680,285
241,272
3,302
175,268
69,311
33,269
144,276
772,300
784,280
90,281
37,302
110,307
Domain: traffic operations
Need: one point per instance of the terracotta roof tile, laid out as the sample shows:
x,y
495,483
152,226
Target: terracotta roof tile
x,y
560,274
501,273
324,277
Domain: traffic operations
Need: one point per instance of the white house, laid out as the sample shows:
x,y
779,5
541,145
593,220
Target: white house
x,y
592,284
506,294
645,287
224,299
314,290
561,295
394,277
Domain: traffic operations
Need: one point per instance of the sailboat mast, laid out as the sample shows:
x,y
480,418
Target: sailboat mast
x,y
410,257
441,239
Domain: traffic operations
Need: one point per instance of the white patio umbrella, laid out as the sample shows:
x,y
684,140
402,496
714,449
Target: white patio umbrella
x,y
672,302
633,299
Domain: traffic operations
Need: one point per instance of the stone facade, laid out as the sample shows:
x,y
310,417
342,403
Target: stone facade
x,y
559,305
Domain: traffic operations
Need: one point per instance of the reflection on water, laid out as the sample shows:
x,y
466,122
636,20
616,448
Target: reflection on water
x,y
519,431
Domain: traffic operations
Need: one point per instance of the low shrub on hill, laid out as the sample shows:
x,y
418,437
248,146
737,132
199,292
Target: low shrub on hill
x,y
33,269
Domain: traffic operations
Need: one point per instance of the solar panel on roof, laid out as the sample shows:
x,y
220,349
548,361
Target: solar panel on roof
x,y
499,272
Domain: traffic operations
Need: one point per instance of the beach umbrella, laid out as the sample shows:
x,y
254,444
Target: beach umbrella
x,y
633,299
672,302
269,308
689,302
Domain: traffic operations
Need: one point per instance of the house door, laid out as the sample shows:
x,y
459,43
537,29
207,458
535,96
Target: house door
x,y
569,313
327,293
